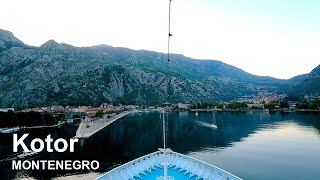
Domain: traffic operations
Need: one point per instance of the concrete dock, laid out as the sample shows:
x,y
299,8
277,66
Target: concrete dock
x,y
86,129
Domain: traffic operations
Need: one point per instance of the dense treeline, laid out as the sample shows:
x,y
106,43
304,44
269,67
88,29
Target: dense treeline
x,y
315,104
237,105
300,104
11,119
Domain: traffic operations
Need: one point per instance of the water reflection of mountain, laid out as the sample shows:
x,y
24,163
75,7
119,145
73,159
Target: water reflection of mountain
x,y
232,127
139,134
130,136
310,119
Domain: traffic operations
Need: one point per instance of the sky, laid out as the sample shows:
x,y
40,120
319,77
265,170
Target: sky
x,y
279,38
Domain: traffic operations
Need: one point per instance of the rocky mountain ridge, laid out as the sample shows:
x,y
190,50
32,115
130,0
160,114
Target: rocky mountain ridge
x,y
63,74
309,85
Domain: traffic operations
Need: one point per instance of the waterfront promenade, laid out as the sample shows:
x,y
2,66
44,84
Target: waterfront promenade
x,y
87,129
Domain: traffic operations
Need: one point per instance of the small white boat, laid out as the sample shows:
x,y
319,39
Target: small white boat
x,y
26,154
196,110
10,130
214,121
214,126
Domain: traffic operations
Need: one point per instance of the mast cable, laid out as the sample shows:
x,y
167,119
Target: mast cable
x,y
166,115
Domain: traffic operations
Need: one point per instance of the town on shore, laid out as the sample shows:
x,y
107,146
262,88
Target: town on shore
x,y
50,115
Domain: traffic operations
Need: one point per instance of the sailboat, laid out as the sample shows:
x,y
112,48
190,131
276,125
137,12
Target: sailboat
x,y
196,110
165,164
214,121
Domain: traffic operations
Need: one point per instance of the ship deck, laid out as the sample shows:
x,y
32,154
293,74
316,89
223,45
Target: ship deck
x,y
181,167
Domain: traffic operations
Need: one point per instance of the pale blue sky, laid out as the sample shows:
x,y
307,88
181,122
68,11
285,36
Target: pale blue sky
x,y
300,15
279,38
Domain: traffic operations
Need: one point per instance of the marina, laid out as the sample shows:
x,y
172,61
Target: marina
x,y
16,129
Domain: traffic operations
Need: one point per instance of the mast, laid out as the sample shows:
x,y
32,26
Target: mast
x,y
165,162
164,130
168,77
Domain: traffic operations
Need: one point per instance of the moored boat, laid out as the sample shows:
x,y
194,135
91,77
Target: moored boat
x,y
10,130
26,154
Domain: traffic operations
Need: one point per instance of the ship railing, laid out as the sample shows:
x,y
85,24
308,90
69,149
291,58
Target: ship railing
x,y
151,160
117,171
220,172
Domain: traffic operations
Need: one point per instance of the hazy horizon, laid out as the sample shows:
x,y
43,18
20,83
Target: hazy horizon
x,y
278,39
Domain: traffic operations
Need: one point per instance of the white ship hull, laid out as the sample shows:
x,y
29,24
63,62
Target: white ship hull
x,y
186,166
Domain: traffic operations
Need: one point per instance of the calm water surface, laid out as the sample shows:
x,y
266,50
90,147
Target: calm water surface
x,y
251,145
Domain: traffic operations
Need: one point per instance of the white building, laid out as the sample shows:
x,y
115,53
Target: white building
x,y
104,105
6,109
256,106
184,106
292,105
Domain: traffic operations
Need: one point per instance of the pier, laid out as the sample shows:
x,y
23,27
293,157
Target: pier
x,y
87,129
16,129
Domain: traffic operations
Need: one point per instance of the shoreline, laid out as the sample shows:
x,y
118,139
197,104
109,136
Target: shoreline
x,y
252,110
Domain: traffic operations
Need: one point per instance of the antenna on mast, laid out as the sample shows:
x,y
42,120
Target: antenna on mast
x,y
168,53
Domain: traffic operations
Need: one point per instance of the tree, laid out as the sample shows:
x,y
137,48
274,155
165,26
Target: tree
x,y
99,114
237,105
220,106
270,105
302,105
75,116
11,119
314,104
284,105
244,105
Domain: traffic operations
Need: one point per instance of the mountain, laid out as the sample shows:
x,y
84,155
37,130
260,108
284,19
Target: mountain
x,y
310,83
298,79
182,66
8,40
58,73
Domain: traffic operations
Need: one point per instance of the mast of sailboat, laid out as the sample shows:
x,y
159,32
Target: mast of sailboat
x,y
214,123
213,117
